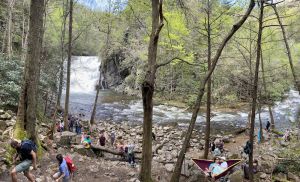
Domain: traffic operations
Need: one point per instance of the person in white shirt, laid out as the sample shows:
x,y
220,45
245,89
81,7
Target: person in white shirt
x,y
224,164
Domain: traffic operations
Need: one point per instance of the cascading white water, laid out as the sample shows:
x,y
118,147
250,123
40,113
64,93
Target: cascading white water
x,y
84,74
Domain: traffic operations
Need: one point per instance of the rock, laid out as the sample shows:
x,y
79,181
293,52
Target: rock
x,y
237,176
64,138
38,180
281,176
202,142
169,167
293,177
226,139
83,151
5,116
283,143
131,174
94,168
1,111
263,176
3,125
134,180
268,163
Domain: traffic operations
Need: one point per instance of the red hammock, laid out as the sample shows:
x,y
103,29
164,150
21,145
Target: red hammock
x,y
202,164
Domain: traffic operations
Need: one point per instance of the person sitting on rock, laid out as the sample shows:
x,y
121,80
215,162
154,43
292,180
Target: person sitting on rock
x,y
61,126
26,150
63,173
223,164
87,142
246,168
219,144
217,152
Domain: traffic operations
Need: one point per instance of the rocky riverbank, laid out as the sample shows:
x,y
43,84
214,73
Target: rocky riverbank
x,y
169,138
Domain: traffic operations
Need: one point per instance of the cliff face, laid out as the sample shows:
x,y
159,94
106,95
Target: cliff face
x,y
113,73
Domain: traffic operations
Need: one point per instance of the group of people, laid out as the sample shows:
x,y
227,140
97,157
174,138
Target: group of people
x,y
127,150
27,155
218,166
73,123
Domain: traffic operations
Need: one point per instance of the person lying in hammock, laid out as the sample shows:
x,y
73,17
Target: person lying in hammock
x,y
214,168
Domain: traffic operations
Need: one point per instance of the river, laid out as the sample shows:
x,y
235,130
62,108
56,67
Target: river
x,y
117,107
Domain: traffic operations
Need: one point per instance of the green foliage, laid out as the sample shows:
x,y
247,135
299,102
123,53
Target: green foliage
x,y
10,81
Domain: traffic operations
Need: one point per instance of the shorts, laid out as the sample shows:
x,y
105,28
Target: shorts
x,y
23,166
58,174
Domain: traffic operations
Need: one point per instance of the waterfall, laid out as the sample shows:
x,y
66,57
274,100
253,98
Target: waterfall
x,y
84,74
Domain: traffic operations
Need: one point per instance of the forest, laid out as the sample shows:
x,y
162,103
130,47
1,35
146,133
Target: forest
x,y
157,90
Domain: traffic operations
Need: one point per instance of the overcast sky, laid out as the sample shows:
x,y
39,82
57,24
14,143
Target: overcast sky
x,y
101,4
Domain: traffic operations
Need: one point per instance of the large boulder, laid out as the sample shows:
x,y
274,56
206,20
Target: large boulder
x,y
83,151
64,138
5,116
293,177
3,125
268,163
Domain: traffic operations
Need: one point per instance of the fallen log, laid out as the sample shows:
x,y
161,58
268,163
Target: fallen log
x,y
103,149
98,148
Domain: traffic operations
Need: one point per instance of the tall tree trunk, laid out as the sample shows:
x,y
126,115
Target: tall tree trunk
x,y
9,28
267,93
28,98
62,45
288,51
25,37
68,67
92,120
254,90
148,90
208,101
235,27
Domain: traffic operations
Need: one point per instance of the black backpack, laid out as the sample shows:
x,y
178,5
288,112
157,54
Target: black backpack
x,y
30,143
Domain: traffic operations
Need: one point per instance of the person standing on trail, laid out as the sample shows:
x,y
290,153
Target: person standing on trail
x,y
63,172
268,126
102,138
26,150
112,138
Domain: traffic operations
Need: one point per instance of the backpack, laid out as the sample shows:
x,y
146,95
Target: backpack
x,y
71,166
30,143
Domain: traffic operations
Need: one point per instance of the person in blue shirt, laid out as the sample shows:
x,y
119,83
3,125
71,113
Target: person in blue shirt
x,y
63,173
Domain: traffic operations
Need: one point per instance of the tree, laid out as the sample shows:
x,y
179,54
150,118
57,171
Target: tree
x,y
288,50
26,117
148,90
255,85
9,28
68,67
235,27
62,45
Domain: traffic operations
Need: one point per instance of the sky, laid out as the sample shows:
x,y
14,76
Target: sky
x,y
100,4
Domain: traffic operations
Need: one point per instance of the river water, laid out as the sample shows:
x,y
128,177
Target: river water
x,y
117,107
